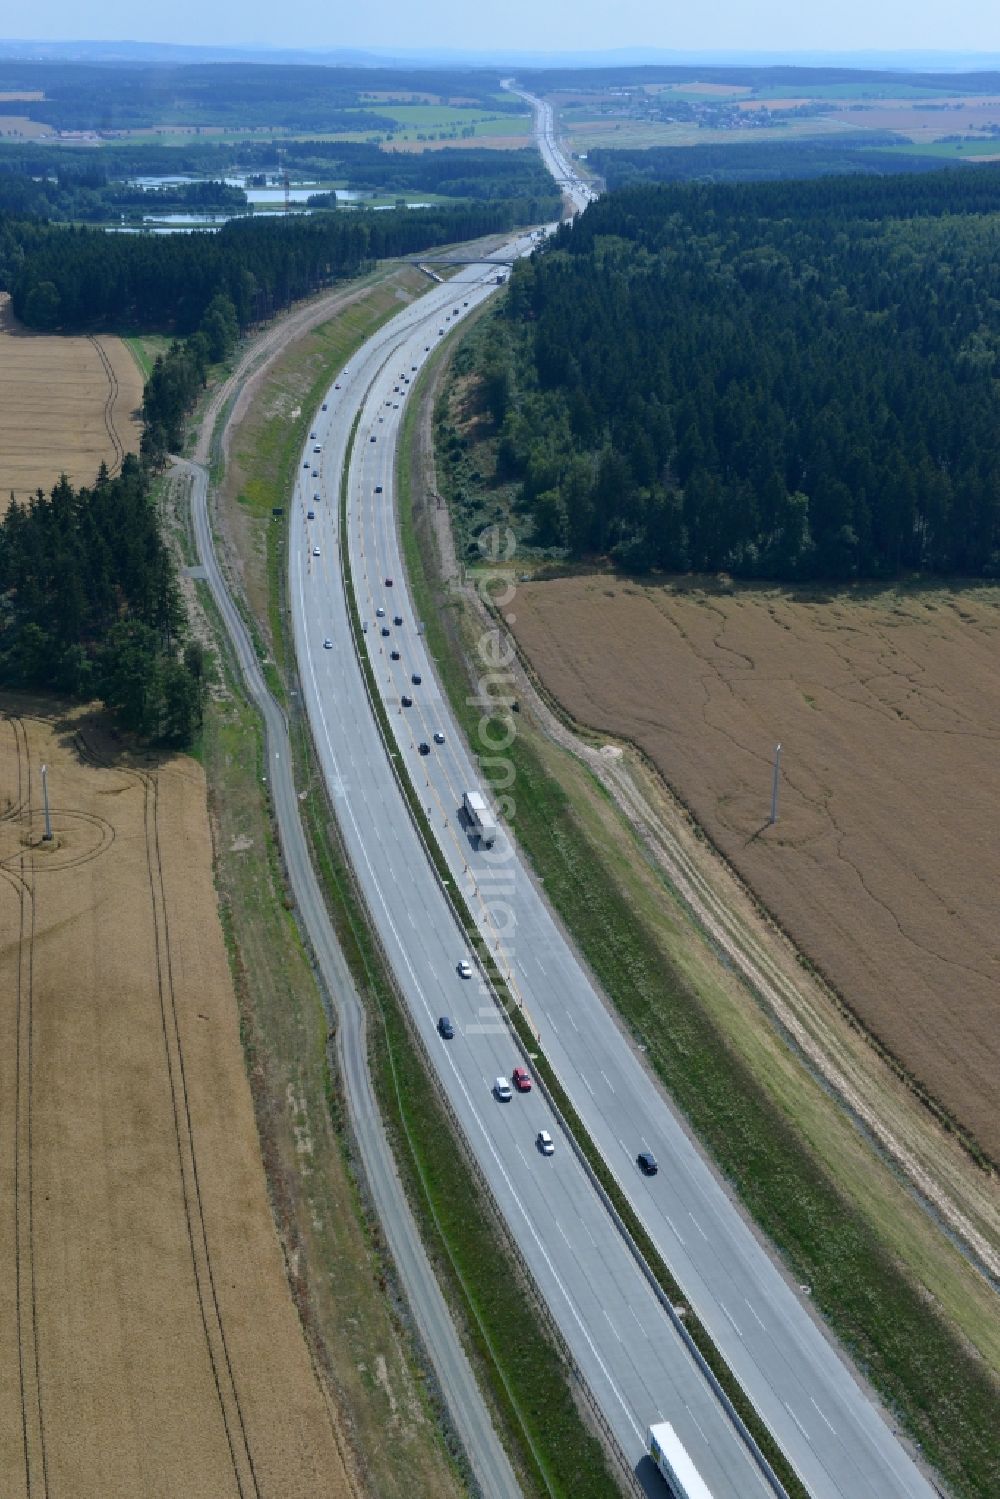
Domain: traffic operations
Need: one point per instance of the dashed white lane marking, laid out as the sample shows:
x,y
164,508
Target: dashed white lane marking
x,y
730,1319
798,1423
753,1312
674,1227
698,1227
822,1416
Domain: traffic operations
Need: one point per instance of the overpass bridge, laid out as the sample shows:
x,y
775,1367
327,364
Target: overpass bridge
x,y
461,259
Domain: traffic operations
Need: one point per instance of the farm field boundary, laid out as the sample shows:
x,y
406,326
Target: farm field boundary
x,y
555,1452
67,405
151,1333
887,710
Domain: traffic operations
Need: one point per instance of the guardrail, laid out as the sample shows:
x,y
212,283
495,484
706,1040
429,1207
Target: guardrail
x,y
416,814
467,925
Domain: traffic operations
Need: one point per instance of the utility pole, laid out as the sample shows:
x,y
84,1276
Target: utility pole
x,y
774,784
45,802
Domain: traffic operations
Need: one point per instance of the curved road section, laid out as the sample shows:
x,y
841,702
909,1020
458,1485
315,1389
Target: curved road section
x,y
635,1365
487,1457
574,188
630,1354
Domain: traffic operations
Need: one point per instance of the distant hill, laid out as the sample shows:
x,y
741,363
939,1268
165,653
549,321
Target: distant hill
x,y
407,57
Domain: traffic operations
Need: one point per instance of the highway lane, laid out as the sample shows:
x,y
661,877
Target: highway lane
x,y
619,1336
828,1427
472,1423
825,1422
578,191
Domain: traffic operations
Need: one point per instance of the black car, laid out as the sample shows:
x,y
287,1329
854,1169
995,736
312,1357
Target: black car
x,y
646,1162
397,619
394,655
416,679
372,438
378,489
423,747
385,629
445,1028
407,702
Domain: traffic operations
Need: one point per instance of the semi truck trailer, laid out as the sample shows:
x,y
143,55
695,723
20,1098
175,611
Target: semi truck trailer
x,y
671,1458
480,819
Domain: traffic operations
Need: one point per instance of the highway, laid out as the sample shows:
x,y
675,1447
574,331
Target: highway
x,y
575,189
829,1428
457,1383
628,1351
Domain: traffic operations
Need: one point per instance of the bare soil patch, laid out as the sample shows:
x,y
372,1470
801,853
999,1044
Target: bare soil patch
x,y
146,1323
23,127
883,863
67,405
949,116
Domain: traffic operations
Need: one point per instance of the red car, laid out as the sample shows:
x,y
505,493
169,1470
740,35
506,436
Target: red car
x,y
521,1078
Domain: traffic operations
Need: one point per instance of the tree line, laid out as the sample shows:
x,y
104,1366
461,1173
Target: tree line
x,y
801,79
126,95
783,380
81,278
57,183
89,602
870,153
89,605
75,197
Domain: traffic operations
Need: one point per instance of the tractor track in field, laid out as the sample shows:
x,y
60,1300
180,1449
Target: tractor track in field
x,y
235,1425
110,402
17,1128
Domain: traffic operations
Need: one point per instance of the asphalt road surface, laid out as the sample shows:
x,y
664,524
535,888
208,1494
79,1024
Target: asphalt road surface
x,y
552,154
459,1390
630,1355
827,1425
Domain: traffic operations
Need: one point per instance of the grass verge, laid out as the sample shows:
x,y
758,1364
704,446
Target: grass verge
x,y
354,1322
942,1392
552,1448
527,1375
527,1383
266,445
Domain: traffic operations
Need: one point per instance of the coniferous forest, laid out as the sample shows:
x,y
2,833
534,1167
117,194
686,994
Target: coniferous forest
x,y
72,278
89,605
89,602
783,380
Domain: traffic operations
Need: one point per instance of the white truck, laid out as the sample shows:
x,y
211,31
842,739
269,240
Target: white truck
x,y
671,1458
480,819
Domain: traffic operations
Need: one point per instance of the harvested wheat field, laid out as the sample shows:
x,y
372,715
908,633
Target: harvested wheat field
x,y
67,405
148,1341
884,865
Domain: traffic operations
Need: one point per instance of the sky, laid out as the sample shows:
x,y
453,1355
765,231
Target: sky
x,y
529,25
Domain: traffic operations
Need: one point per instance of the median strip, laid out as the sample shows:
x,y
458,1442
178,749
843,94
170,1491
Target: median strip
x,y
737,1407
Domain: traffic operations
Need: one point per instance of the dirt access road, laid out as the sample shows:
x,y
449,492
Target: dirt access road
x,y
148,1341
